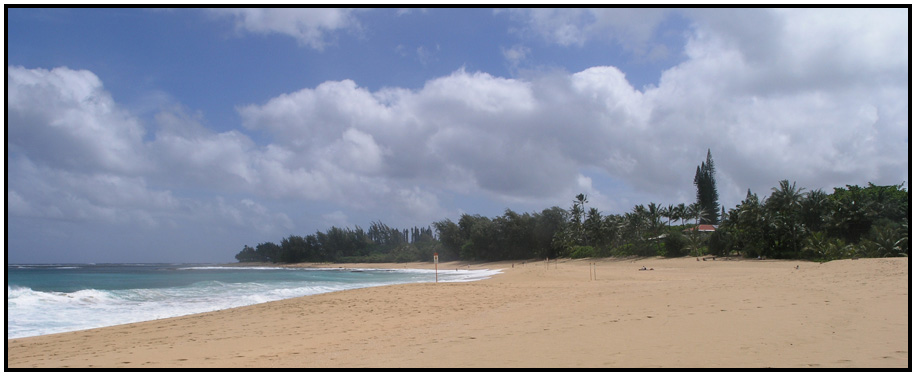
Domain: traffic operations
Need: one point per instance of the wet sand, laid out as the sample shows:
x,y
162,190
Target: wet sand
x,y
682,313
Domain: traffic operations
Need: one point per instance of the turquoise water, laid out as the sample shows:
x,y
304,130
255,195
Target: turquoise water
x,y
45,299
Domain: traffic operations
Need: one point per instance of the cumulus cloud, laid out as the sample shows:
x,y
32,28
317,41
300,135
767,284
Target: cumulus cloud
x,y
631,28
76,155
528,139
309,26
65,118
787,112
45,192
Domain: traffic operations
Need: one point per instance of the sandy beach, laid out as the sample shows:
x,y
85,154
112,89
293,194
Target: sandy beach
x,y
681,313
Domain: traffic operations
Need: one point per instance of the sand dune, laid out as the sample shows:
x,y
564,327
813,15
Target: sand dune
x,y
683,313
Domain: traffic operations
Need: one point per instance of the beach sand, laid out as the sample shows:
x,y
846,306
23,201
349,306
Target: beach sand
x,y
683,313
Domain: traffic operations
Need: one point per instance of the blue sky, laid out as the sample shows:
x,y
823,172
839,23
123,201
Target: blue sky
x,y
180,135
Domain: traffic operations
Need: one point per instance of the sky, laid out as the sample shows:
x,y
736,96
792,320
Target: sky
x,y
181,135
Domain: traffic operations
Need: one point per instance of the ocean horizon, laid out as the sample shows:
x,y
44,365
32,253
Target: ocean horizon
x,y
55,298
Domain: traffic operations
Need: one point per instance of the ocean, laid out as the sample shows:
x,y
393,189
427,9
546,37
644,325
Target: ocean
x,y
45,299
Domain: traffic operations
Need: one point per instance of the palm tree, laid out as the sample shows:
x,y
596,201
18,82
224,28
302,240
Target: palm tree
x,y
815,209
905,240
670,212
693,243
787,195
636,224
885,242
614,225
655,224
818,244
785,206
639,218
682,212
697,213
593,226
576,213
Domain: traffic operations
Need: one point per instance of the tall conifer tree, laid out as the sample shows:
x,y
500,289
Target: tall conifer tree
x,y
707,195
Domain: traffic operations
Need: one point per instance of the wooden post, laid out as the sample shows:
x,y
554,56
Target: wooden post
x,y
436,261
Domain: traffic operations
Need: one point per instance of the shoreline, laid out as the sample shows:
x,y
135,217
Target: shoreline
x,y
682,313
303,266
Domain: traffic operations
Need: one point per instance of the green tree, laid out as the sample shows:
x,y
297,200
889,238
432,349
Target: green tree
x,y
682,213
815,210
549,226
449,236
785,214
654,222
577,212
248,254
750,227
593,227
293,249
676,244
269,251
885,241
670,213
707,194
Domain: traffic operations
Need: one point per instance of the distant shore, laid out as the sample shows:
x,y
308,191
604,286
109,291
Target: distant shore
x,y
596,313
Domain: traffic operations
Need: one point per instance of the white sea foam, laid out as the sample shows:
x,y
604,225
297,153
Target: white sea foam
x,y
233,268
31,313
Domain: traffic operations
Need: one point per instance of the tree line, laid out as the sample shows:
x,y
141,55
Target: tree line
x,y
380,243
853,221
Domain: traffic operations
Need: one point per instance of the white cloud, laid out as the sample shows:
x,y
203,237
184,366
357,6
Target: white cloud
x,y
516,54
65,118
530,139
784,50
78,157
186,152
309,26
631,28
45,192
245,214
561,26
357,151
823,117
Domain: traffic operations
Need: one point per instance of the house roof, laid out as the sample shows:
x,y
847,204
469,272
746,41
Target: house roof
x,y
703,228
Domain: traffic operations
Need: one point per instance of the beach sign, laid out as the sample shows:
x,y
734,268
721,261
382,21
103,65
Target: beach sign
x,y
436,261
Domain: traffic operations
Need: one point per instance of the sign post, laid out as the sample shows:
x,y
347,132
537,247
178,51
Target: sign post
x,y
436,261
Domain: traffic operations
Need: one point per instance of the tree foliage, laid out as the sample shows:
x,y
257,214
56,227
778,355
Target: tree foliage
x,y
851,222
792,222
707,195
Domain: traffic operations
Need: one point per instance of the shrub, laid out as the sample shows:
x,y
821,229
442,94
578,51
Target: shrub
x,y
582,251
675,244
720,243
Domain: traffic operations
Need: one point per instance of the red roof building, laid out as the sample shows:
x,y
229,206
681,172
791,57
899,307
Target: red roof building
x,y
703,228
